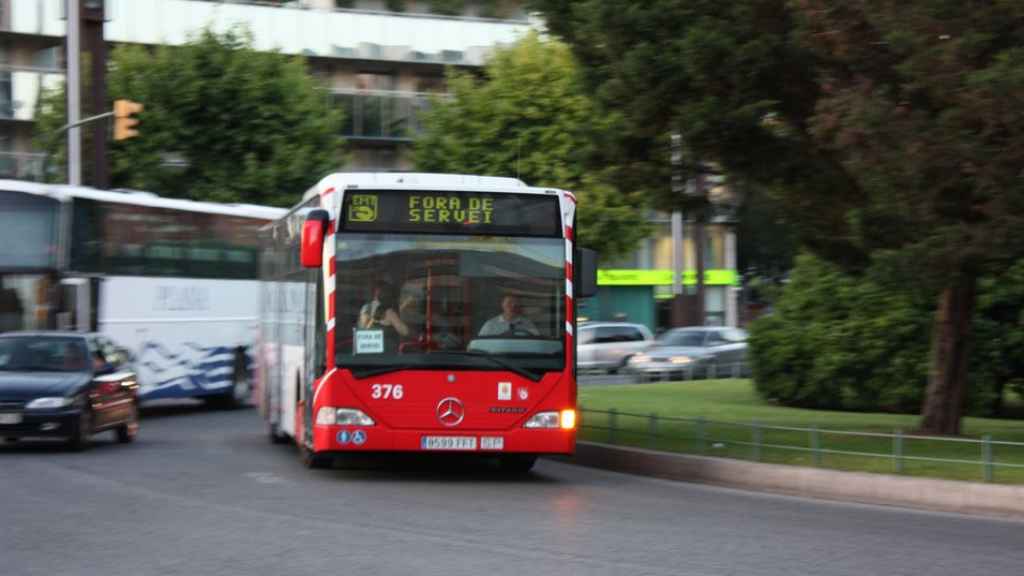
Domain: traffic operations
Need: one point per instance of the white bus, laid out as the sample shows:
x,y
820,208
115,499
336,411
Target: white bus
x,y
173,281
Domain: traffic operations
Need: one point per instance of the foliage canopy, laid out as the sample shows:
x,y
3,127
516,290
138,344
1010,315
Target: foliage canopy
x,y
248,126
529,116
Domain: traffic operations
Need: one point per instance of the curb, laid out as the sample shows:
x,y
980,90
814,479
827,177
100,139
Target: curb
x,y
868,488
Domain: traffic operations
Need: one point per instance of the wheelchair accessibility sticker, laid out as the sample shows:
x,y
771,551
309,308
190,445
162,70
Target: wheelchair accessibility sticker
x,y
358,437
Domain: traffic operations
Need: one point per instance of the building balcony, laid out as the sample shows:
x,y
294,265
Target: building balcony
x,y
20,89
22,166
381,115
292,28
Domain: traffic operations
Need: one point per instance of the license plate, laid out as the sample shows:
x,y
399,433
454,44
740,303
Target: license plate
x,y
492,443
448,442
10,418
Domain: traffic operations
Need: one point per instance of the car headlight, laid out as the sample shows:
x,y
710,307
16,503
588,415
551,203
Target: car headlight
x,y
49,403
639,359
681,359
329,415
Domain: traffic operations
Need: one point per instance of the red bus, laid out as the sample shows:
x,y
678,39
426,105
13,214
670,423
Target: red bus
x,y
423,312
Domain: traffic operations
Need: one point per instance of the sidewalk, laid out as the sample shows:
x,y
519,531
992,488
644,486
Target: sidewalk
x,y
914,492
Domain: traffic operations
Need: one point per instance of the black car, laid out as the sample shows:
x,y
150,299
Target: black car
x,y
65,385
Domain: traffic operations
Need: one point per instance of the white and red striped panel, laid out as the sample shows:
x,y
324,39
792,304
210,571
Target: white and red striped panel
x,y
327,202
568,216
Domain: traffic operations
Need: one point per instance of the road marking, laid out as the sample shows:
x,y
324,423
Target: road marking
x,y
265,477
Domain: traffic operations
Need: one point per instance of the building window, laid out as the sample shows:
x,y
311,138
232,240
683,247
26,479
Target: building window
x,y
376,81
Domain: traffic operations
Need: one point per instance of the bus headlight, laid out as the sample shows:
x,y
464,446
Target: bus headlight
x,y
681,359
328,415
543,420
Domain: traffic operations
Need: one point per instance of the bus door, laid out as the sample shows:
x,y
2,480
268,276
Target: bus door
x,y
79,302
26,301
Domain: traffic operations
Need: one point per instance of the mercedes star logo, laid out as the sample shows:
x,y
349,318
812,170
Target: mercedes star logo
x,y
450,411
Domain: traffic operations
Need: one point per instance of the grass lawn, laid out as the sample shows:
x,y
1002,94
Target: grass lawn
x,y
731,406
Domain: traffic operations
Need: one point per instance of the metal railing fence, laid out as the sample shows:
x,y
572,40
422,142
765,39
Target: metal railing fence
x,y
964,458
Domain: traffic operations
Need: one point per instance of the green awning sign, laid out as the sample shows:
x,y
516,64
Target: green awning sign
x,y
634,277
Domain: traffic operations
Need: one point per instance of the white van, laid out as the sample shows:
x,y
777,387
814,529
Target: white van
x,y
607,346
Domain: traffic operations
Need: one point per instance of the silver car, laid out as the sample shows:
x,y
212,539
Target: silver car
x,y
608,346
694,352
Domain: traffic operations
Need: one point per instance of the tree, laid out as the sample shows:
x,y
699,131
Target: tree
x,y
247,126
529,117
891,129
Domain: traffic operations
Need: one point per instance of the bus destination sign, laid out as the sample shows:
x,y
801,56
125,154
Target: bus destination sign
x,y
452,213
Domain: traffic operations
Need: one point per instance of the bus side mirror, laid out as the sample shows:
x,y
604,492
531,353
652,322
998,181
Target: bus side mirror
x,y
313,229
585,273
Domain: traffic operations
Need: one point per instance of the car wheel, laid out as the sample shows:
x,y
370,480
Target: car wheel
x,y
127,432
81,436
517,464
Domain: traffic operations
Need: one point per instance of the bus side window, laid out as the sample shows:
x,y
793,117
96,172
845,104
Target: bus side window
x,y
319,340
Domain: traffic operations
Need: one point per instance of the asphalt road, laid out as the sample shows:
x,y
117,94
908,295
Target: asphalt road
x,y
203,493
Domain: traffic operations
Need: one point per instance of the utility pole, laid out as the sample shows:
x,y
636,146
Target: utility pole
x,y
678,251
699,239
687,309
93,18
74,93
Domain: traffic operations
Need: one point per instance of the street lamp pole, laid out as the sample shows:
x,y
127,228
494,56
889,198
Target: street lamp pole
x,y
678,250
74,23
686,310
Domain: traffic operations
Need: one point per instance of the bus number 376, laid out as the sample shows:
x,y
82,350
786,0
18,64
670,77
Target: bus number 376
x,y
386,391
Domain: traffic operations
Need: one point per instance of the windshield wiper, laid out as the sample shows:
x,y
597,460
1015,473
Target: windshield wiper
x,y
31,368
368,371
500,362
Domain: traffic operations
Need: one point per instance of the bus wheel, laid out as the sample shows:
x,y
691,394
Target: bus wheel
x,y
275,435
313,460
236,397
517,464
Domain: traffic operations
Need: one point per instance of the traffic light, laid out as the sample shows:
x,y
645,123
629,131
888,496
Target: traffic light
x,y
125,120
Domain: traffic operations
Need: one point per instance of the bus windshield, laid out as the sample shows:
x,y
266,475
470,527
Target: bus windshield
x,y
422,301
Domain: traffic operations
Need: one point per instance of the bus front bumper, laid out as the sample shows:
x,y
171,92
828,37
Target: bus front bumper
x,y
333,438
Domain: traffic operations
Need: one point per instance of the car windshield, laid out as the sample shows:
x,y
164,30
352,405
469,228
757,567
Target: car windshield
x,y
446,302
43,354
692,338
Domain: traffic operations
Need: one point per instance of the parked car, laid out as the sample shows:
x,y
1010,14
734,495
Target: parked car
x,y
65,385
609,345
695,352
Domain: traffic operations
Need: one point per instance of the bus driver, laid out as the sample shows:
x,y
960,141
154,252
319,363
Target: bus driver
x,y
510,322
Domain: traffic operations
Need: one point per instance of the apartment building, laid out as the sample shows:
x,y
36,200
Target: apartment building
x,y
379,59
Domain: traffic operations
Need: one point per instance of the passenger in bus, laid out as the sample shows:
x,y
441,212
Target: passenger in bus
x,y
510,322
379,313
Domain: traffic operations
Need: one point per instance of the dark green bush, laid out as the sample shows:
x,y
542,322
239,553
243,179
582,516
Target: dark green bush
x,y
997,358
845,343
447,7
842,343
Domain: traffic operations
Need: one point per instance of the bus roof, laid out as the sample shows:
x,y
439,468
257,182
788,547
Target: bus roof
x,y
422,181
65,192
